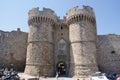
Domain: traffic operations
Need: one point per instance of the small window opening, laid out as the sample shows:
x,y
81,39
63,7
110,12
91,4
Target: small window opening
x,y
113,52
61,27
61,34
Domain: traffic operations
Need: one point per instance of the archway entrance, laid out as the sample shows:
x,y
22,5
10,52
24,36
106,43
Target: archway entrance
x,y
61,68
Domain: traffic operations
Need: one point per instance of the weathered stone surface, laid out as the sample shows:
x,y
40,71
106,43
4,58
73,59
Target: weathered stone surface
x,y
13,47
40,59
82,36
108,53
72,42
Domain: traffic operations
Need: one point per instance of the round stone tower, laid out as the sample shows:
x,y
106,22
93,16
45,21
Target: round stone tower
x,y
82,35
40,59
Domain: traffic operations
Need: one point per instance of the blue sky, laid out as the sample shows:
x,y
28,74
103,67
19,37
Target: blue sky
x,y
14,13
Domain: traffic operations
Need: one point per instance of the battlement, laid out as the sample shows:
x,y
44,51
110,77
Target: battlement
x,y
45,15
75,14
75,10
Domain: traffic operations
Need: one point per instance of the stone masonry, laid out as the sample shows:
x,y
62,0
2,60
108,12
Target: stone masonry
x,y
69,46
40,58
76,52
82,35
13,46
108,53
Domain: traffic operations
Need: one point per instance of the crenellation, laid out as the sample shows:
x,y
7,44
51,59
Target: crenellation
x,y
34,12
75,15
45,15
41,19
75,11
77,18
88,10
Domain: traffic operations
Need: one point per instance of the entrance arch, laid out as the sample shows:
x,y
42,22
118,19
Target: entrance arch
x,y
61,68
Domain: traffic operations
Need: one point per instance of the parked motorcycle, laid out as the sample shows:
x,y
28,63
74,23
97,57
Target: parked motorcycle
x,y
6,74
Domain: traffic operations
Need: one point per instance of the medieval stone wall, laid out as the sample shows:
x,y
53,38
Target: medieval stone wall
x,y
13,47
108,53
51,40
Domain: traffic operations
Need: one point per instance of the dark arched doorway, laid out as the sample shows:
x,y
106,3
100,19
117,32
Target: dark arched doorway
x,y
61,68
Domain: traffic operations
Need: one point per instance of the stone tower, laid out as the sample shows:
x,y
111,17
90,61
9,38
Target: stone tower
x,y
40,58
82,35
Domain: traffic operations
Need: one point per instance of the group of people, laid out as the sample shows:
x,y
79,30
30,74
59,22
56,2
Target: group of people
x,y
8,74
